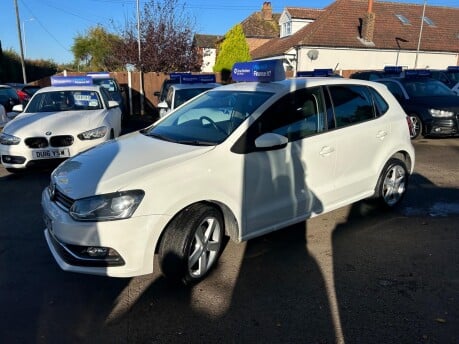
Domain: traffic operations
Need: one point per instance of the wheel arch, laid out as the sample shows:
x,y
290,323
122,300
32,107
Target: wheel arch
x,y
230,221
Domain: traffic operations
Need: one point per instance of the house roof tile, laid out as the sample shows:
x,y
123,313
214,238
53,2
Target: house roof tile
x,y
338,26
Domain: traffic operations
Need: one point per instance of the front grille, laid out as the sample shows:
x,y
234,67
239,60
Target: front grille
x,y
61,199
61,141
36,142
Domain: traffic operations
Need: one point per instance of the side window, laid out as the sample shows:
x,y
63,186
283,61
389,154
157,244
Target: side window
x,y
352,104
381,106
297,115
105,96
170,93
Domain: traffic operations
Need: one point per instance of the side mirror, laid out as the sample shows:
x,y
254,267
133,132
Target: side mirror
x,y
271,141
113,104
18,108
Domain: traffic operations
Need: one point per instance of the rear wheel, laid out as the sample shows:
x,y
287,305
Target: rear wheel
x,y
392,183
192,244
417,126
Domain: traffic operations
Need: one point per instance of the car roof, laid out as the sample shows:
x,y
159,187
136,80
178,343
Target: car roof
x,y
288,85
68,88
194,85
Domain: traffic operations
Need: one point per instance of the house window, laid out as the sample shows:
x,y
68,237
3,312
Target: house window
x,y
287,28
428,21
403,19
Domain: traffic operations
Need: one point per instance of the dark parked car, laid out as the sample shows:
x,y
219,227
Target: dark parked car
x,y
24,91
431,105
8,97
112,86
387,72
449,76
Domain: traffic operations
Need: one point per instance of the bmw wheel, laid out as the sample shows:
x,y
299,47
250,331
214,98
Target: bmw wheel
x,y
192,244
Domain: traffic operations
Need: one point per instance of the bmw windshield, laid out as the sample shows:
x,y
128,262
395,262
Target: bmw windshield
x,y
67,100
208,119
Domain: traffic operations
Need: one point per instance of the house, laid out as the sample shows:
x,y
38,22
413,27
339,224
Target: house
x,y
261,27
206,46
351,35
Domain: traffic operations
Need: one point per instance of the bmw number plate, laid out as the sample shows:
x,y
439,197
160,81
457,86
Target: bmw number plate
x,y
51,153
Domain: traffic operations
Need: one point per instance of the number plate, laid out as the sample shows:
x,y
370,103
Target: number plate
x,y
51,153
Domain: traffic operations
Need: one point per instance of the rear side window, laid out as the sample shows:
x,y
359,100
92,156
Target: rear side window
x,y
381,106
352,104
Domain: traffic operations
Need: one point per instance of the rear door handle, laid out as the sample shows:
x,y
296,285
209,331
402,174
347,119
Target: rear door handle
x,y
326,151
381,134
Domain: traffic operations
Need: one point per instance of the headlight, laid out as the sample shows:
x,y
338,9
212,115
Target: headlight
x,y
93,134
9,140
441,113
112,206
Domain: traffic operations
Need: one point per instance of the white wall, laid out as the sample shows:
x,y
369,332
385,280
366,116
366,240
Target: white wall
x,y
347,59
208,59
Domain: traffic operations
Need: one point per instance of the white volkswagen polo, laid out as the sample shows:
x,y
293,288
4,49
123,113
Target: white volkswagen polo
x,y
239,160
59,122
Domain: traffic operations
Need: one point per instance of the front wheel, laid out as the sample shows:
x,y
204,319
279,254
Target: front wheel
x,y
192,244
417,128
392,183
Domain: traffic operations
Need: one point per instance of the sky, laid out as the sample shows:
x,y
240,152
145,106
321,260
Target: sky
x,y
50,26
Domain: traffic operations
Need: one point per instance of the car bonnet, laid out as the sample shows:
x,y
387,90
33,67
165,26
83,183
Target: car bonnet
x,y
130,161
65,122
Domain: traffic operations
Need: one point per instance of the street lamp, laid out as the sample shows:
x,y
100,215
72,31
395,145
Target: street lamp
x,y
24,35
398,40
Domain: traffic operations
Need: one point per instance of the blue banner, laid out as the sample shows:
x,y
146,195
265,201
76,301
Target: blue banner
x,y
261,71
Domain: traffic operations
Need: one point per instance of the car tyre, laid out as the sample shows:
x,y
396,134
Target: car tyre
x,y
392,183
192,244
417,126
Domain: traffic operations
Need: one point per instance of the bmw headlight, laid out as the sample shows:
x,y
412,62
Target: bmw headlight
x,y
9,140
441,113
107,207
93,134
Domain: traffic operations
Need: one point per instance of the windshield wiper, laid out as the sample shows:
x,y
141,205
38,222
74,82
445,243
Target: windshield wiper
x,y
197,142
161,137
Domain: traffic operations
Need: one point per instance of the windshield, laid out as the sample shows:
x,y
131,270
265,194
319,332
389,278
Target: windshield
x,y
454,75
427,88
208,119
67,100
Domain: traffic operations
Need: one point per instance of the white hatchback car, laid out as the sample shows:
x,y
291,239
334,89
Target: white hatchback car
x,y
240,160
59,122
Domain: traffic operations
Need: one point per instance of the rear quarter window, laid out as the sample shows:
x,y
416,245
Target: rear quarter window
x,y
352,104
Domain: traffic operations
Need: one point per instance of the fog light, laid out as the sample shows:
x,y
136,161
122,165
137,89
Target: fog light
x,y
11,159
97,251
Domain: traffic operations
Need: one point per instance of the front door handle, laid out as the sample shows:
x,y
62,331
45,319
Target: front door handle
x,y
326,151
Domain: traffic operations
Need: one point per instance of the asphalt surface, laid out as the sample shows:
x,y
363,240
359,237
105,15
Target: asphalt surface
x,y
355,275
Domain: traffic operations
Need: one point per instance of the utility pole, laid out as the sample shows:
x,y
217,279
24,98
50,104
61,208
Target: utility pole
x,y
20,41
420,34
142,106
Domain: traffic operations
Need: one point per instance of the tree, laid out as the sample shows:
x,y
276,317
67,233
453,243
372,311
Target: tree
x,y
166,37
234,48
95,50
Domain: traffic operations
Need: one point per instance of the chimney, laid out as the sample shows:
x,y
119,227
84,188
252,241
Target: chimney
x,y
267,11
368,24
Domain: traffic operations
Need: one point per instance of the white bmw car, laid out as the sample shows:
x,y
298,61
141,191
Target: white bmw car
x,y
240,160
57,123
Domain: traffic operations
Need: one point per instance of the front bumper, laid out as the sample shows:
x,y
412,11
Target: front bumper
x,y
443,127
132,242
20,156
